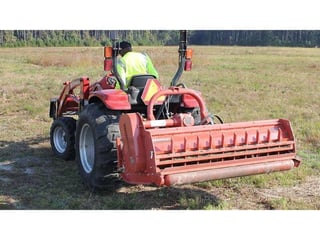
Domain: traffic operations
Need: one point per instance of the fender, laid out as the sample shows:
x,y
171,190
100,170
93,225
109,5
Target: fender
x,y
113,99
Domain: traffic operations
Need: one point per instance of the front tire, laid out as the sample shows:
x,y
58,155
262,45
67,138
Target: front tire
x,y
62,135
96,154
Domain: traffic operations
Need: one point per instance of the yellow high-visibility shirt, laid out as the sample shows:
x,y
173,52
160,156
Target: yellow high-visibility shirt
x,y
135,63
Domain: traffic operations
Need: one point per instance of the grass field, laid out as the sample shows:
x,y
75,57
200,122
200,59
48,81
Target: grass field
x,y
238,83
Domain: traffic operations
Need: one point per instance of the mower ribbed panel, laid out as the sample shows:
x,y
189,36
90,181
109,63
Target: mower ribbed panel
x,y
178,155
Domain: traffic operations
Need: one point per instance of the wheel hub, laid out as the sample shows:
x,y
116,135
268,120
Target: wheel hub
x,y
86,148
59,139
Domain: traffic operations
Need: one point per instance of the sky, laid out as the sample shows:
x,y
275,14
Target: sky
x,y
160,15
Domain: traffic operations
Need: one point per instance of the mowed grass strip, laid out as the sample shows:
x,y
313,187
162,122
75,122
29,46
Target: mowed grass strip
x,y
238,84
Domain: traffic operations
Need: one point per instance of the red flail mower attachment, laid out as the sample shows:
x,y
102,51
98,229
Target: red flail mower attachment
x,y
172,151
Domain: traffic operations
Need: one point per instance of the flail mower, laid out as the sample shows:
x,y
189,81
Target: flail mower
x,y
151,134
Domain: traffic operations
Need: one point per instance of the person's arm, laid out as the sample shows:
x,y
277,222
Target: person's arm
x,y
122,73
150,68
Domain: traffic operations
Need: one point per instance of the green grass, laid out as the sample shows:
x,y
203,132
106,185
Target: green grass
x,y
238,83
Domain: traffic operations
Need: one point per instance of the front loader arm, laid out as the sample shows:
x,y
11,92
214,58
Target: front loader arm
x,y
68,102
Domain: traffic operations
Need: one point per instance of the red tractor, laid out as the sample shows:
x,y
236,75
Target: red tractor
x,y
150,134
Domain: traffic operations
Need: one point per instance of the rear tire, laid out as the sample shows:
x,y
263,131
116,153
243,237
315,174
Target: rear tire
x,y
62,135
96,154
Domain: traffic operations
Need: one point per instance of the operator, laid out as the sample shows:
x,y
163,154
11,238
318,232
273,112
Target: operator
x,y
133,63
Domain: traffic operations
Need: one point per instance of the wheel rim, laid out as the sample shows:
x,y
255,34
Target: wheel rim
x,y
86,148
59,139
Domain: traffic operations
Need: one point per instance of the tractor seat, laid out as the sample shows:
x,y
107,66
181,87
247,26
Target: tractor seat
x,y
140,81
135,89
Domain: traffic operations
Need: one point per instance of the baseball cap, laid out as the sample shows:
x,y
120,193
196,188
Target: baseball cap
x,y
124,44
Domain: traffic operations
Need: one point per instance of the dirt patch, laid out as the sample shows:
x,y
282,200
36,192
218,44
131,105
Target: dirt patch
x,y
301,196
307,192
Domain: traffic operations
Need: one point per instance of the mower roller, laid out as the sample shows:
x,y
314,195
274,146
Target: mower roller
x,y
149,134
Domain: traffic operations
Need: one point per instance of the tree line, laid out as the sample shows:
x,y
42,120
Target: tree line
x,y
58,38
